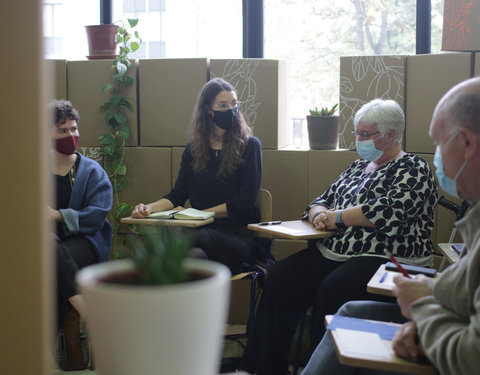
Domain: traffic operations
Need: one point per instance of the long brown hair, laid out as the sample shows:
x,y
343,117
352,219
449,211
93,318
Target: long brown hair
x,y
234,140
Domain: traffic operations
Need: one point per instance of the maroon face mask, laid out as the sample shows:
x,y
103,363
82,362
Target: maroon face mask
x,y
67,145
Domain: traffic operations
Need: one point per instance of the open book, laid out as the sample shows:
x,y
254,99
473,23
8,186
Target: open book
x,y
186,214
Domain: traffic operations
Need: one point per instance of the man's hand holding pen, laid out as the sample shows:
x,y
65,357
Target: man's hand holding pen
x,y
408,291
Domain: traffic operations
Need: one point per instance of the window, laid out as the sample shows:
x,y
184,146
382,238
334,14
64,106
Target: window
x,y
63,27
181,28
313,35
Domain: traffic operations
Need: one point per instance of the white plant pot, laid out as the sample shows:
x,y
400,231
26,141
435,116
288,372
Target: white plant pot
x,y
166,330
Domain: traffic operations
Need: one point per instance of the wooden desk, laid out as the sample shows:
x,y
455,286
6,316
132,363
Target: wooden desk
x,y
292,230
448,254
384,287
381,284
371,360
167,222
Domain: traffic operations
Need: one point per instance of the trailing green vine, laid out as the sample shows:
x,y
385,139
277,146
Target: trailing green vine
x,y
115,108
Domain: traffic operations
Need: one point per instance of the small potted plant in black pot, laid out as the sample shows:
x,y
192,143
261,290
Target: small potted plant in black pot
x,y
323,128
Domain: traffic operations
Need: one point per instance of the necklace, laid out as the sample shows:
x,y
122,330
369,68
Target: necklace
x,y
72,174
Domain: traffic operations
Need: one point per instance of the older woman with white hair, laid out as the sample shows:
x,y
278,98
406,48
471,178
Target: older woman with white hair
x,y
383,201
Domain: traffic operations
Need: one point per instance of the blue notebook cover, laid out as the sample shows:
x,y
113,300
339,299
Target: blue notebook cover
x,y
385,331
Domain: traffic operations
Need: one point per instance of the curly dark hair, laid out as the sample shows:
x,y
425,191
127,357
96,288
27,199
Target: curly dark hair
x,y
63,110
234,141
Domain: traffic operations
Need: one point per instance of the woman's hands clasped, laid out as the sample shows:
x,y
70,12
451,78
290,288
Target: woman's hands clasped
x,y
323,218
141,210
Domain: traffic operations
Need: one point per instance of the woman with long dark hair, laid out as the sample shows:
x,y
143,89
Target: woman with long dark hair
x,y
220,172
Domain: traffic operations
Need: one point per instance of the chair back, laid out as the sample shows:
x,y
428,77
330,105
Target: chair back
x,y
264,201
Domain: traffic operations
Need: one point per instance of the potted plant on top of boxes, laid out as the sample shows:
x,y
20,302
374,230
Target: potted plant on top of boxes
x,y
160,313
323,128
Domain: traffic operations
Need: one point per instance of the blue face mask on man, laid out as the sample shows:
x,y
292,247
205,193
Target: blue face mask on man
x,y
448,184
367,150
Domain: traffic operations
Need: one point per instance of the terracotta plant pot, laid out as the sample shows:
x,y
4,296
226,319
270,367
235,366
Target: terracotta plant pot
x,y
164,329
101,41
323,132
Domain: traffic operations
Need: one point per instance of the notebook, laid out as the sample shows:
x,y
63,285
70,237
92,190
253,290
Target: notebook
x,y
186,214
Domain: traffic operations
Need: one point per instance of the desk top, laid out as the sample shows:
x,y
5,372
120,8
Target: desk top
x,y
373,360
382,282
293,230
446,250
167,222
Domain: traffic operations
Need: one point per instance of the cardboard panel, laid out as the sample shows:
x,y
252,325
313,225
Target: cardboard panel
x,y
324,167
149,174
177,153
282,249
168,92
285,176
477,64
363,78
262,88
429,77
85,84
461,25
58,71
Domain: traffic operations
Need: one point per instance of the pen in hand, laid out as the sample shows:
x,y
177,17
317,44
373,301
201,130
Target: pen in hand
x,y
398,265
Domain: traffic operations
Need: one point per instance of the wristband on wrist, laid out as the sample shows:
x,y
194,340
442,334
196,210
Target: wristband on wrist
x,y
314,216
338,218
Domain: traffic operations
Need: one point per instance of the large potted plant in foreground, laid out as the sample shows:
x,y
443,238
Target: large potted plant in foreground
x,y
323,128
158,313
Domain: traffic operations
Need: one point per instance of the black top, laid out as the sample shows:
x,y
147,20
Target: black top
x,y
63,189
239,191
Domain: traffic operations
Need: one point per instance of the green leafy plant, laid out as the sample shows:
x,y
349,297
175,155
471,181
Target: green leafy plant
x,y
115,108
323,111
161,254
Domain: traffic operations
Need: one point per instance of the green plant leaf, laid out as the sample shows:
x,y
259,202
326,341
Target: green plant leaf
x,y
119,167
129,80
132,22
106,87
123,132
120,118
136,35
122,30
121,184
123,209
135,46
107,139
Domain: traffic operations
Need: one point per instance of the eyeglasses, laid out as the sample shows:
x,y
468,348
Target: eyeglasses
x,y
363,133
223,107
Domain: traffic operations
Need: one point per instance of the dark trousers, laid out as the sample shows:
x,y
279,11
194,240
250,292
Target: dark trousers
x,y
72,254
294,284
232,249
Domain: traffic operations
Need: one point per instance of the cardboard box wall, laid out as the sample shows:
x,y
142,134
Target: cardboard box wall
x,y
363,78
429,77
477,65
149,174
261,87
461,25
57,69
85,91
168,91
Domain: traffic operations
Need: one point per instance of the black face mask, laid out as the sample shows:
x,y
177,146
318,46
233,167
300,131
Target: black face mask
x,y
225,119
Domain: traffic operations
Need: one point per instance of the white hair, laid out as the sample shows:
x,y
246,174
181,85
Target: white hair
x,y
383,115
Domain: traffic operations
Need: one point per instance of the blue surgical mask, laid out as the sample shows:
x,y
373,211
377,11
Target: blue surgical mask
x,y
448,184
367,150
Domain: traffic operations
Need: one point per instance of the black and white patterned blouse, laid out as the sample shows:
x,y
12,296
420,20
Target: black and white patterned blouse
x,y
399,198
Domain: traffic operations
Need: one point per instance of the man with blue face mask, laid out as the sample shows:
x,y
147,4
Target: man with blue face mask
x,y
444,318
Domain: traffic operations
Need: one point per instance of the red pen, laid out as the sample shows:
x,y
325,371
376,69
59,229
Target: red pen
x,y
398,265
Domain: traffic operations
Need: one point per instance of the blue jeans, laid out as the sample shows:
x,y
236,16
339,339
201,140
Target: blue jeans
x,y
324,360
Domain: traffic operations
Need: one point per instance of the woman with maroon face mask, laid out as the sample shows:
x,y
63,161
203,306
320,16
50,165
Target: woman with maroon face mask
x,y
83,199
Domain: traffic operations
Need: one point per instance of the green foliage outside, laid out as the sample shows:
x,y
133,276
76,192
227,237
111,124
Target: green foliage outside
x,y
115,109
